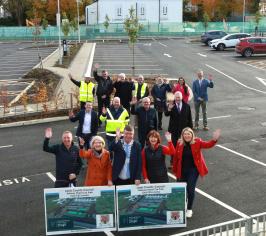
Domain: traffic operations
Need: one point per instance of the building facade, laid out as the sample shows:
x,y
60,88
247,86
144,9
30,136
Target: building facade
x,y
152,11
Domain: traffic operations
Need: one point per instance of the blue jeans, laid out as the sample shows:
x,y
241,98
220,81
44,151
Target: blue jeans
x,y
190,176
203,105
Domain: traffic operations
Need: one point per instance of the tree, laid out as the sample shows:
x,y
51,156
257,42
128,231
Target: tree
x,y
132,27
258,17
65,24
206,20
106,23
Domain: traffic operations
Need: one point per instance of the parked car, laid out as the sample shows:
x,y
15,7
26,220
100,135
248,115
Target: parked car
x,y
252,45
228,41
212,34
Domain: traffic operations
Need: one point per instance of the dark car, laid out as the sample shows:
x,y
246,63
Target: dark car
x,y
210,35
252,45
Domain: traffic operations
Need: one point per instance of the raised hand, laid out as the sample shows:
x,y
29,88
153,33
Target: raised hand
x,y
146,181
133,101
166,81
117,134
72,176
96,65
110,183
71,113
168,136
48,133
210,77
216,134
81,141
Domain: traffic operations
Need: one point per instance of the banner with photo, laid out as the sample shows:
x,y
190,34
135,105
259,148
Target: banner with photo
x,y
79,210
151,206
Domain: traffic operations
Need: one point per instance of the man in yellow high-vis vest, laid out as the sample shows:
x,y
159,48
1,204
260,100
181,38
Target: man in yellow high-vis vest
x,y
116,117
141,89
86,90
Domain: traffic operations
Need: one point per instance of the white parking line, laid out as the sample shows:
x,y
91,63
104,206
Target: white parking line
x,y
251,65
215,200
163,44
217,117
7,146
233,79
202,55
242,155
137,69
263,81
167,55
254,140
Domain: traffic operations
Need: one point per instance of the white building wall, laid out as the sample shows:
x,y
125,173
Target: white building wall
x,y
147,10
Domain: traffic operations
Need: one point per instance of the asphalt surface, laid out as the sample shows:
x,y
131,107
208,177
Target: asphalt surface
x,y
16,59
237,165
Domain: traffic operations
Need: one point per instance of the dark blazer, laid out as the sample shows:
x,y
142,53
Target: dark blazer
x,y
119,157
201,91
80,117
179,121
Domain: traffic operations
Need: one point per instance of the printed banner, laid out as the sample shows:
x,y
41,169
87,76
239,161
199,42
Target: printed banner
x,y
79,210
151,206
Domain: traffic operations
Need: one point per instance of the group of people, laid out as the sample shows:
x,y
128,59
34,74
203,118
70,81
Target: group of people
x,y
125,160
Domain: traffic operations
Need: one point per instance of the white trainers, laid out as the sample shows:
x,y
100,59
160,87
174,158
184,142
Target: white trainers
x,y
189,213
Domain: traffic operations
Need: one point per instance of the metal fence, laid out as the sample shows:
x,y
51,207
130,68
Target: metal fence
x,y
117,30
250,226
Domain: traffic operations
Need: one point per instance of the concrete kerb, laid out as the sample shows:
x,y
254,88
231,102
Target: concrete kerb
x,y
79,67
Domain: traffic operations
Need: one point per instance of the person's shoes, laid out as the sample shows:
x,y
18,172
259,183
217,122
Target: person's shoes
x,y
189,213
196,128
206,128
160,128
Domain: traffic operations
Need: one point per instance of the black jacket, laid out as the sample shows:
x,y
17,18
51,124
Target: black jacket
x,y
124,92
119,157
105,86
179,121
147,120
67,161
80,117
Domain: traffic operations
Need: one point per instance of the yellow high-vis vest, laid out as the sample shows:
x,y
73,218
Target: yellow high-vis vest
x,y
112,124
86,91
143,89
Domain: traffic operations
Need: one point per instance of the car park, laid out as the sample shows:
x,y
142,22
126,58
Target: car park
x,y
228,41
252,45
212,34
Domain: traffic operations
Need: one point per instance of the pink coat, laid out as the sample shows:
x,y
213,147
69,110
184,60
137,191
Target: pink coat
x,y
197,156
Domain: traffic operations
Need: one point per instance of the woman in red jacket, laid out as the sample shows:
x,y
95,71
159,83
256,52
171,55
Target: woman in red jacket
x,y
189,162
99,172
183,88
153,158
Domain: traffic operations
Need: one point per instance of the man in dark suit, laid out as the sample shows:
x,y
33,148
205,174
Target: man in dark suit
x,y
126,158
88,123
180,117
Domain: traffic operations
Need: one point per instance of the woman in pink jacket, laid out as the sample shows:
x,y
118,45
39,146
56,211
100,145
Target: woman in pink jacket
x,y
183,88
189,161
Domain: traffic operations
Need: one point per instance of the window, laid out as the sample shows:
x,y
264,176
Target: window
x,y
254,40
165,10
119,11
142,11
263,40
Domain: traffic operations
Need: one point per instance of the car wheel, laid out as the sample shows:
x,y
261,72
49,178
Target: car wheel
x,y
221,47
248,52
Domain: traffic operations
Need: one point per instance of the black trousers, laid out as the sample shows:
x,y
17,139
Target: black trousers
x,y
87,139
102,102
64,183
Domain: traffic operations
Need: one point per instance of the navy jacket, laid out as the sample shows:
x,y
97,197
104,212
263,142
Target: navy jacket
x,y
80,117
120,157
67,161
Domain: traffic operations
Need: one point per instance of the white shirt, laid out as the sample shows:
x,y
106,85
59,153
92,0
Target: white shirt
x,y
86,129
125,172
180,106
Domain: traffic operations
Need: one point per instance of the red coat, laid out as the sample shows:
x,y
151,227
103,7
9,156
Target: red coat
x,y
197,156
99,169
180,88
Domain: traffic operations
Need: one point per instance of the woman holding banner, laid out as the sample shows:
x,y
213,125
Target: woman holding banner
x,y
189,162
153,158
99,171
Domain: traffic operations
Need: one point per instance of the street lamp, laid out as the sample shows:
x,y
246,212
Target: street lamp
x,y
244,12
78,20
58,21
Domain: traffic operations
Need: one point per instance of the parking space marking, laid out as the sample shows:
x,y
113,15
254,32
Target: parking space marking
x,y
6,146
167,55
163,45
202,55
215,200
218,117
263,81
235,80
241,155
254,140
127,65
249,63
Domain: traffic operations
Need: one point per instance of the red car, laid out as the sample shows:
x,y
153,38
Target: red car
x,y
251,45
